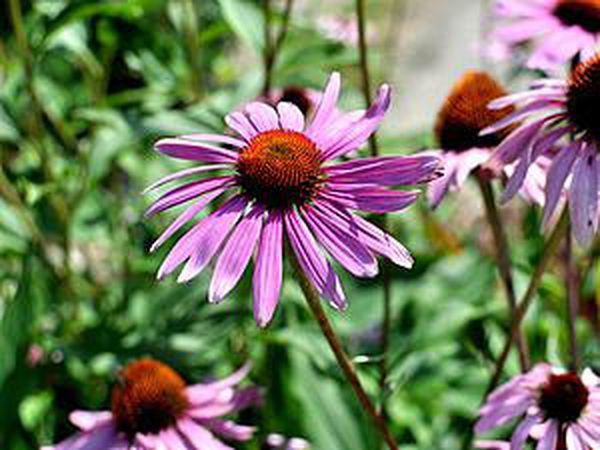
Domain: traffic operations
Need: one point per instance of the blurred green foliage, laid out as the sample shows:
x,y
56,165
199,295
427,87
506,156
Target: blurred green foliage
x,y
86,87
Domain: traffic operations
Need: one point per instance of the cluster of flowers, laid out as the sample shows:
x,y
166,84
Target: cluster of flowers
x,y
280,180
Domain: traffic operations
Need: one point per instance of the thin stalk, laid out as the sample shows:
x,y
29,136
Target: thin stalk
x,y
271,50
314,302
363,53
190,29
374,147
502,259
549,251
572,285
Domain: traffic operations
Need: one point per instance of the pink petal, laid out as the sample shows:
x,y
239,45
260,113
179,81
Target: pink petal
x,y
268,270
326,108
313,263
368,198
583,197
262,116
344,248
184,149
187,192
374,238
210,238
204,392
185,173
560,169
220,138
188,244
358,133
548,441
290,117
200,437
87,420
235,255
521,434
190,212
391,170
231,430
239,123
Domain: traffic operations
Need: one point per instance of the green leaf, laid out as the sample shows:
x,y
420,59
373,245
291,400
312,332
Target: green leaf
x,y
246,22
33,409
15,322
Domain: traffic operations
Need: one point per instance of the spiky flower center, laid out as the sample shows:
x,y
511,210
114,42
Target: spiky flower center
x,y
583,13
280,168
583,96
149,398
563,397
465,113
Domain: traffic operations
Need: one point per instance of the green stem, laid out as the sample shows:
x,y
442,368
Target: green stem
x,y
503,259
572,287
314,302
549,251
271,50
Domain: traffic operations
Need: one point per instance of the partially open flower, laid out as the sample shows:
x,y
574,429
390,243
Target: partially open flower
x,y
547,114
152,409
556,29
281,181
559,409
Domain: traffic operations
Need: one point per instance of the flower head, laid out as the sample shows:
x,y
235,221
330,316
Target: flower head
x,y
559,409
152,408
557,30
460,120
280,180
549,112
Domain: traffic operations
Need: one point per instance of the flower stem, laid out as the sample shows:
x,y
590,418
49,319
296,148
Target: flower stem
x,y
572,285
272,48
502,259
374,147
364,66
314,302
549,251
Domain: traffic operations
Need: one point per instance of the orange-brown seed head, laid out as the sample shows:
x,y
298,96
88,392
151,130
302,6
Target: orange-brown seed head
x,y
149,398
583,96
465,113
583,13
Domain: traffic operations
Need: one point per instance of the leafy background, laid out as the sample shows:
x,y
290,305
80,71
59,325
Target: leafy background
x,y
80,106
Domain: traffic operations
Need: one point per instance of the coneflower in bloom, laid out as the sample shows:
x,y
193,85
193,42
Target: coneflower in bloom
x,y
557,30
547,114
462,116
152,408
280,180
560,410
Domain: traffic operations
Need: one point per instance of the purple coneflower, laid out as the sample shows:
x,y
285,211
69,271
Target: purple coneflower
x,y
560,410
550,111
282,184
457,130
153,409
557,29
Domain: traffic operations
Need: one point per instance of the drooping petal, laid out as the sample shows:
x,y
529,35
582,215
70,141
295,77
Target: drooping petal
x,y
172,439
560,169
583,197
268,271
522,113
198,436
326,107
533,94
236,255
374,238
195,151
573,440
190,212
210,238
187,192
352,254
290,117
548,441
190,241
515,182
103,437
231,430
521,434
223,405
391,170
313,263
262,116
